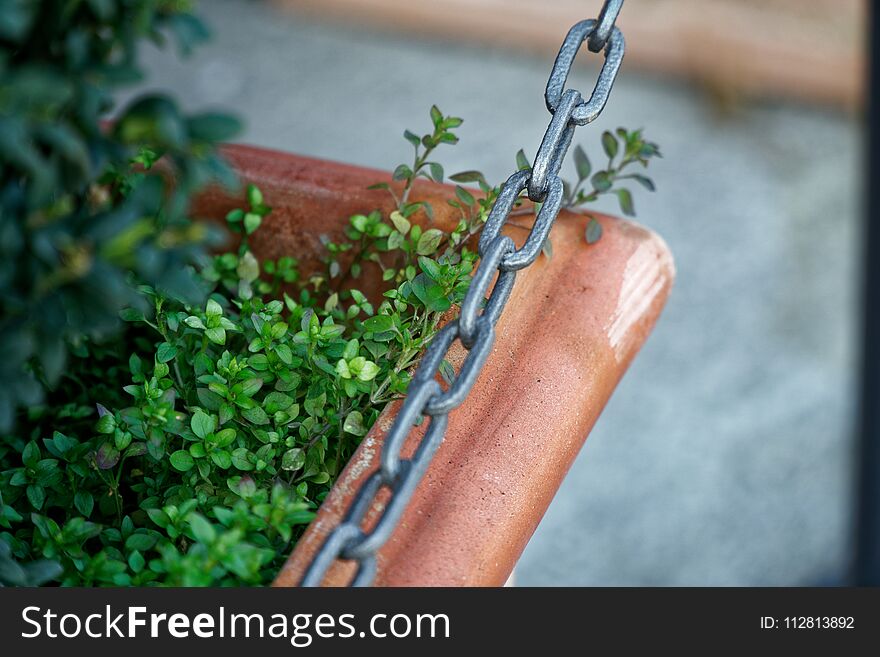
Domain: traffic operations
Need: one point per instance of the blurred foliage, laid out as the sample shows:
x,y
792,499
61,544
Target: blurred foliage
x,y
73,237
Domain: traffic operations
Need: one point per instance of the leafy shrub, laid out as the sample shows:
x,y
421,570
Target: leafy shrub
x,y
240,411
69,242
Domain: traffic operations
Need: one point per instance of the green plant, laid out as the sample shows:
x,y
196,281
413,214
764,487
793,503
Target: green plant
x,y
194,448
74,231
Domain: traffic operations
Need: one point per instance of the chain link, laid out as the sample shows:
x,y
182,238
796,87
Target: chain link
x,y
475,329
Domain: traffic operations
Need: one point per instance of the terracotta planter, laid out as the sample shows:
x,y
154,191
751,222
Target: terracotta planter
x,y
571,328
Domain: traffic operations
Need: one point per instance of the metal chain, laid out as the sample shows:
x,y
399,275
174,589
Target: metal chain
x,y
473,328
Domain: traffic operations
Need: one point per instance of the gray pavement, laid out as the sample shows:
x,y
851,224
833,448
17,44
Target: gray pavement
x,y
724,457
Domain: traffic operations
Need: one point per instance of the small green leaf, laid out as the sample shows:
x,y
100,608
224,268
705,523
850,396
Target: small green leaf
x,y
400,222
468,177
251,387
293,459
36,495
84,502
284,352
626,202
165,352
213,309
221,459
594,231
107,456
601,181
432,295
402,172
255,415
609,144
252,221
431,268
644,181
182,460
354,424
368,372
411,138
202,424
342,369
378,324
522,162
136,561
254,196
277,401
159,517
140,541
225,437
31,454
429,241
241,461
106,424
464,196
582,163
216,335
202,530
436,116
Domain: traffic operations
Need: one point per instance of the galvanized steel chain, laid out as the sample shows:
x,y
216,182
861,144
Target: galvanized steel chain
x,y
475,326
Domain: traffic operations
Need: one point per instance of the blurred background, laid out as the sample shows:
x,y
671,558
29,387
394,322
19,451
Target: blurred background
x,y
726,456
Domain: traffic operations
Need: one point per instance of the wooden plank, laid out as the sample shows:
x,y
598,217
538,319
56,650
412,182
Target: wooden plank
x,y
804,49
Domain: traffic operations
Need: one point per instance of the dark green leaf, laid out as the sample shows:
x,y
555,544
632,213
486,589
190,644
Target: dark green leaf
x,y
601,181
594,231
36,495
626,202
582,163
182,460
165,352
436,116
240,459
411,138
609,144
432,295
84,502
464,195
140,541
255,415
202,424
644,181
402,172
378,324
468,177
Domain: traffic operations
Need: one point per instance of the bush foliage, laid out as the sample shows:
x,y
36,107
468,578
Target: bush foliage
x,y
69,244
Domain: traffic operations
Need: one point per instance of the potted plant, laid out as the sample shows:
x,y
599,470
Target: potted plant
x,y
244,401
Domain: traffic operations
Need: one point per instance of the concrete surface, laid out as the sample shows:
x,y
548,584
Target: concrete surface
x,y
725,456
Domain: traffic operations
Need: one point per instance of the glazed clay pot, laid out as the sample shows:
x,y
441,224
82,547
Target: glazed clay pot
x,y
572,326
